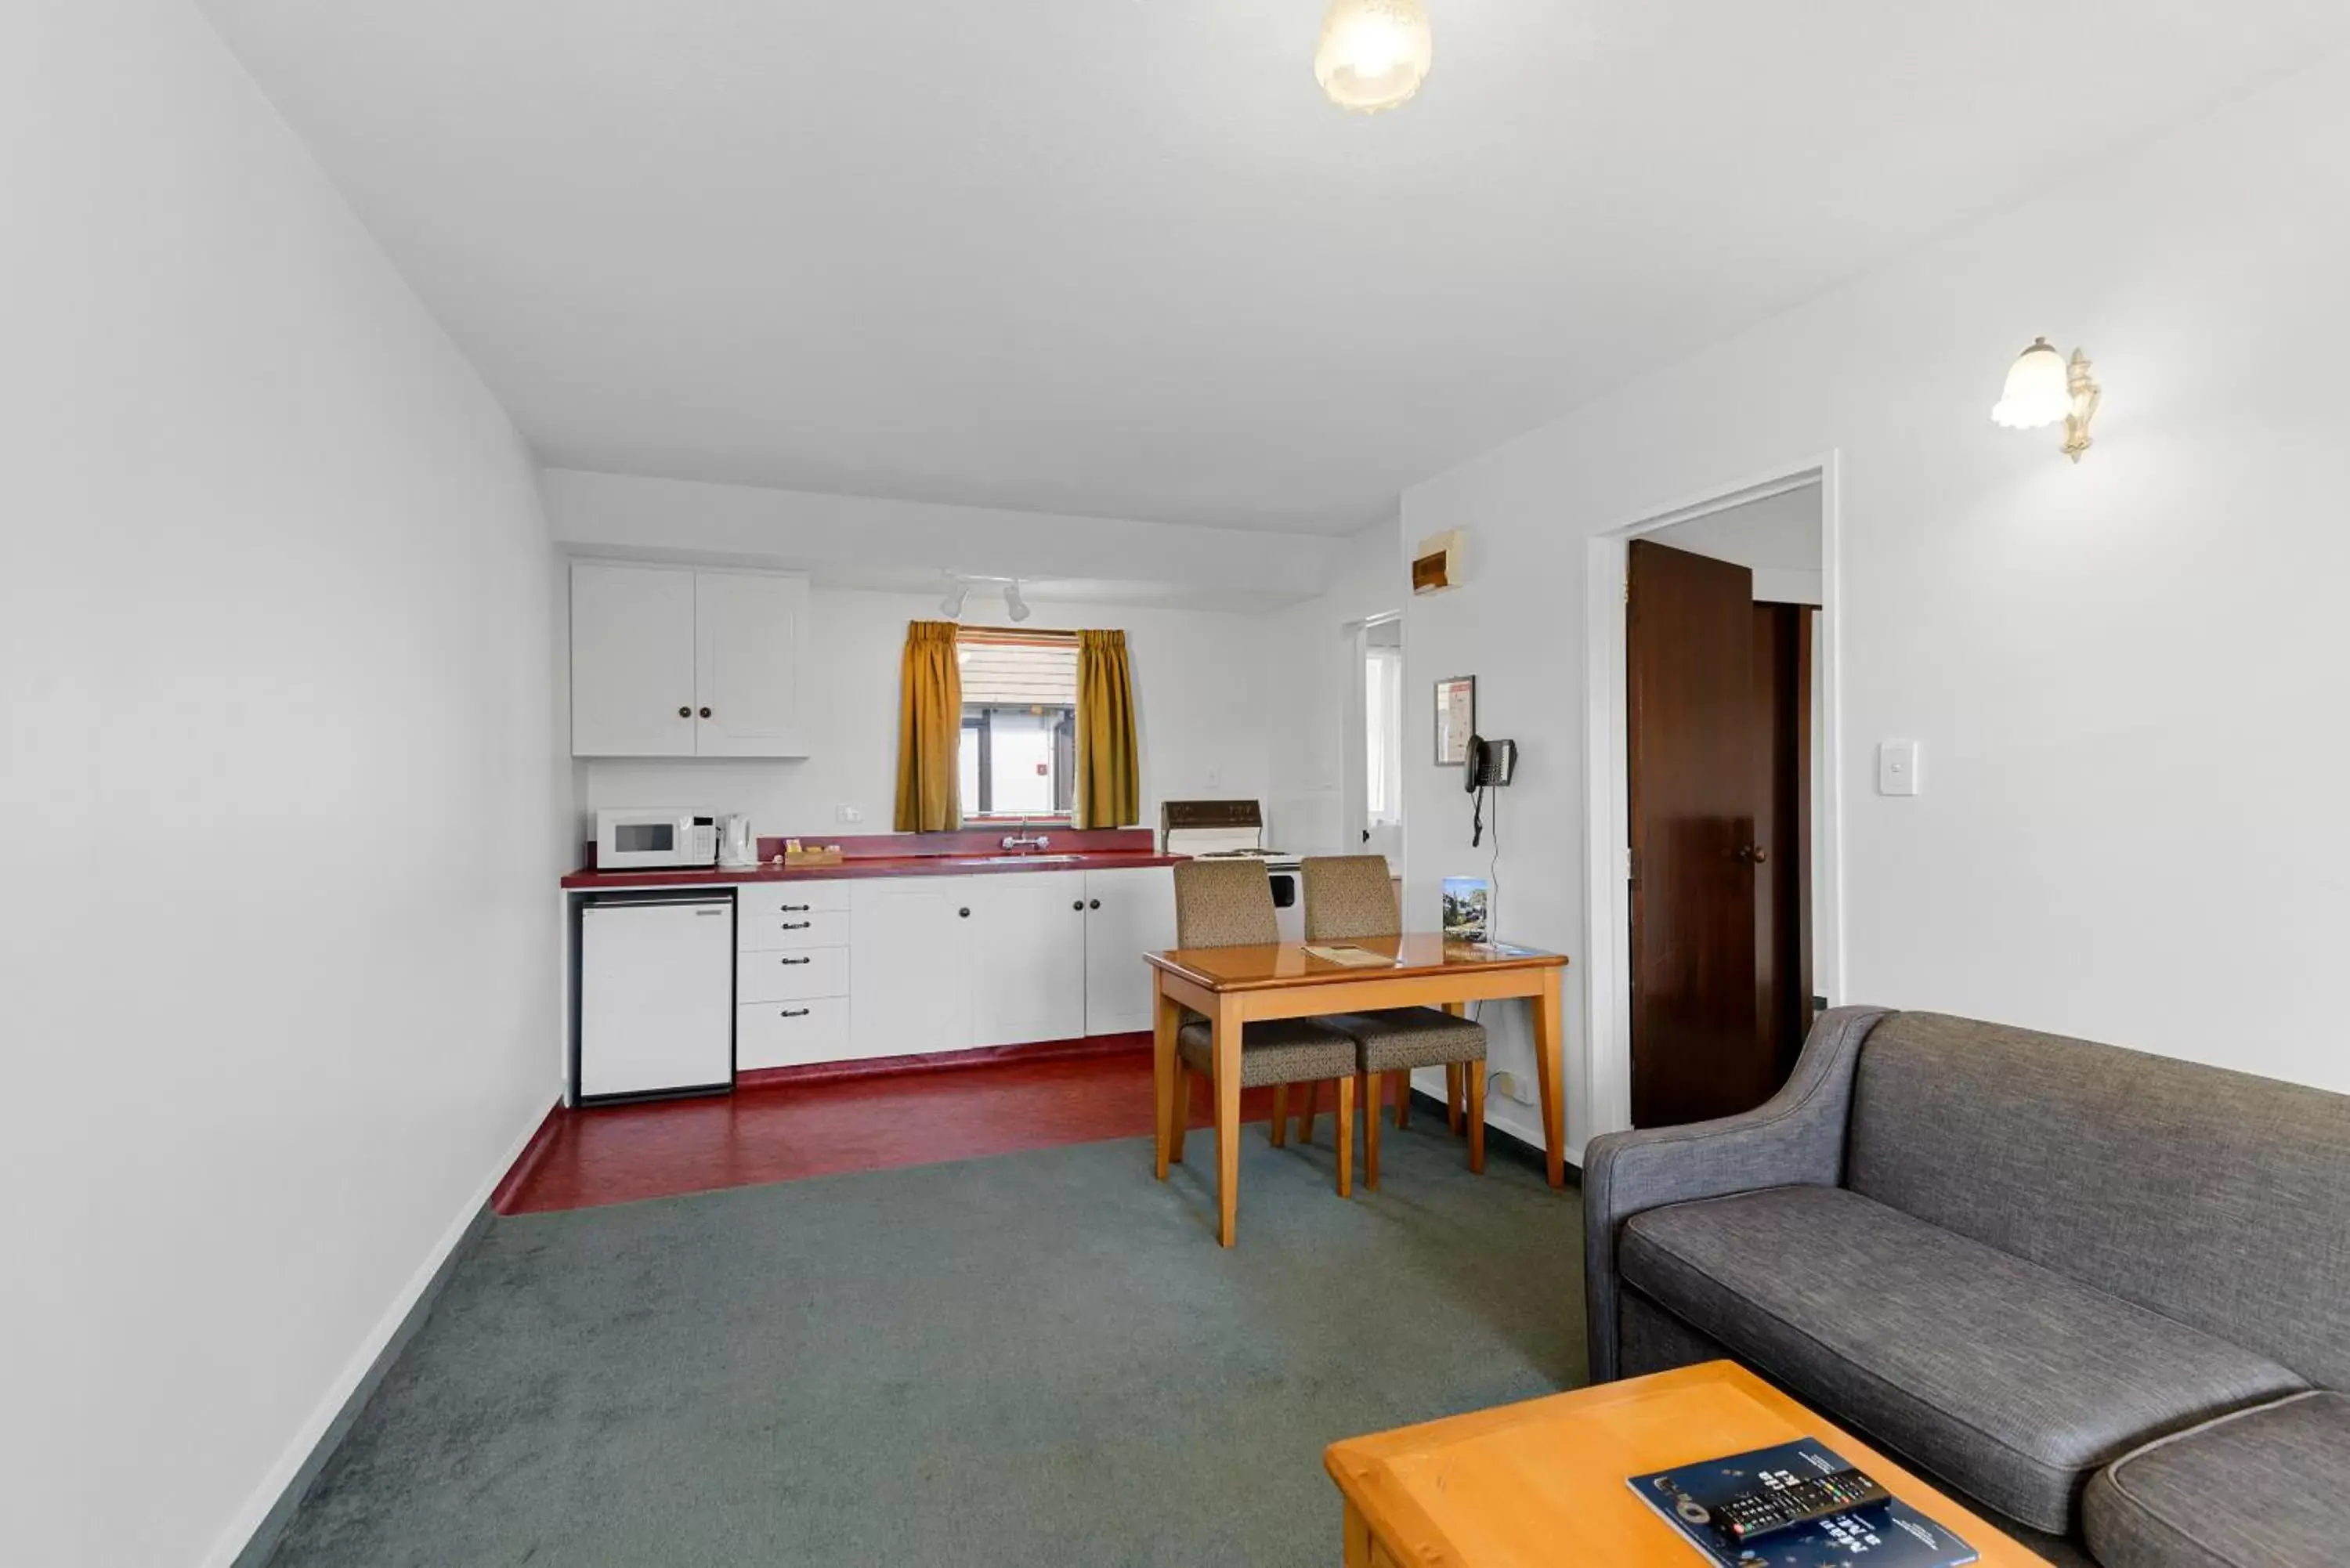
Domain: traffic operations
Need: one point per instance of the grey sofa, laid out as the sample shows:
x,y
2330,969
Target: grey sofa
x,y
2105,1296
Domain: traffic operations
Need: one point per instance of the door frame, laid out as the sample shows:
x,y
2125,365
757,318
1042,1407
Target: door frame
x,y
1607,911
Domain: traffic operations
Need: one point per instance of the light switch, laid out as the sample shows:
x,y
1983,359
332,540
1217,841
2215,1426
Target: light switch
x,y
852,813
1897,767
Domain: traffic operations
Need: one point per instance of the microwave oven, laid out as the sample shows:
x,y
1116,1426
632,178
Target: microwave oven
x,y
642,839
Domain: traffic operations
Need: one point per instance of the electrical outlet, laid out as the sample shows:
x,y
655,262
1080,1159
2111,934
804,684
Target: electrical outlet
x,y
852,813
1511,1086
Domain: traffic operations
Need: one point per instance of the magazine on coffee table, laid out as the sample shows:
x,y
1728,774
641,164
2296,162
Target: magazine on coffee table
x,y
1890,1534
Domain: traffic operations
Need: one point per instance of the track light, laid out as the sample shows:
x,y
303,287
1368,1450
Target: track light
x,y
1014,605
952,606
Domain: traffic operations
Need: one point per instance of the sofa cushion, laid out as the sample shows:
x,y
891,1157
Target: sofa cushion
x,y
2215,1198
2010,1381
2247,1490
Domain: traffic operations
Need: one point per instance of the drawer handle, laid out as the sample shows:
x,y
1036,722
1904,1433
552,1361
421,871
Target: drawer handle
x,y
797,909
798,925
800,960
796,1012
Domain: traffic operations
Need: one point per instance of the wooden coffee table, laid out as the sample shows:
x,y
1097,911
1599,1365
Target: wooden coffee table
x,y
1541,1485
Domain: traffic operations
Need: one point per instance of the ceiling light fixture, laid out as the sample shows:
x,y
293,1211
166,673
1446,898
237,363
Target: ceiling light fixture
x,y
1374,53
951,607
2043,387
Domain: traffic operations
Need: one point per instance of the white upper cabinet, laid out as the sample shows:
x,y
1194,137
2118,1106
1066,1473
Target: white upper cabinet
x,y
750,644
631,660
667,661
1032,957
1129,912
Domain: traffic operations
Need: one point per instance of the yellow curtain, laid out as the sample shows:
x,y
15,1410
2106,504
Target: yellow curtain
x,y
1110,781
930,730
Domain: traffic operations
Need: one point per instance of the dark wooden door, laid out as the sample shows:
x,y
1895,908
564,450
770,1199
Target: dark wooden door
x,y
1781,743
1697,1036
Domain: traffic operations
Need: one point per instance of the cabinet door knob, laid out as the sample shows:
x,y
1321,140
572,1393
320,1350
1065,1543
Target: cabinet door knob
x,y
705,712
1093,904
965,913
1079,906
685,713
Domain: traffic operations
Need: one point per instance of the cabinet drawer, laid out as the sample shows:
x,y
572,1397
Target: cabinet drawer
x,y
770,933
790,976
789,899
791,1033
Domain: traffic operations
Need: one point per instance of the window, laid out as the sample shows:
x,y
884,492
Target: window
x,y
1019,755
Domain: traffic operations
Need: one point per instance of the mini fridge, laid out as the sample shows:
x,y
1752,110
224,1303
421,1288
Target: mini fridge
x,y
656,1000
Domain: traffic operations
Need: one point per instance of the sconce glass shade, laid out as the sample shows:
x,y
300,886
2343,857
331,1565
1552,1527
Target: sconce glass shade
x,y
2037,392
1374,54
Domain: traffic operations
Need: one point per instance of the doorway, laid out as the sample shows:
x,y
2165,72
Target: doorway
x,y
1374,735
1716,930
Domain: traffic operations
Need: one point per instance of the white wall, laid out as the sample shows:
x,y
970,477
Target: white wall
x,y
2127,675
1309,681
279,937
1198,674
852,541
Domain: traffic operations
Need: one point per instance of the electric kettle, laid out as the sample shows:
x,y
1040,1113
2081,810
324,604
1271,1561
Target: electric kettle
x,y
736,846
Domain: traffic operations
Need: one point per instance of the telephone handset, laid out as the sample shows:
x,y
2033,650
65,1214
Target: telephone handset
x,y
1489,764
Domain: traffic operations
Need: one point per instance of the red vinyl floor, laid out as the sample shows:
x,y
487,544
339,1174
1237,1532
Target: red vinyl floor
x,y
782,1131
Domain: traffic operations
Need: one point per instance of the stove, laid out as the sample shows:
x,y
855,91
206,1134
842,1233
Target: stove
x,y
1233,830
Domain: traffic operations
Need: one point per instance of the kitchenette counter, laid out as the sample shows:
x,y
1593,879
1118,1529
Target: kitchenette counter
x,y
965,853
589,880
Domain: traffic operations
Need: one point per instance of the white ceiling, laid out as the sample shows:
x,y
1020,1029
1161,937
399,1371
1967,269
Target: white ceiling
x,y
1120,259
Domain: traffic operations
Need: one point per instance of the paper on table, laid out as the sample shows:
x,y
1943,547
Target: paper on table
x,y
1353,957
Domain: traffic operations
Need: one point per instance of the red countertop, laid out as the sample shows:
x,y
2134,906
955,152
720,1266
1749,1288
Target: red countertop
x,y
970,852
866,866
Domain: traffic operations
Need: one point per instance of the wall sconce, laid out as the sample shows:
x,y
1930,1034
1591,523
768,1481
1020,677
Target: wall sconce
x,y
2043,387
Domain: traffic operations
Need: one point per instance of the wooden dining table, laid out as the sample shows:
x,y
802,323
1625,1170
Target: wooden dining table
x,y
1234,986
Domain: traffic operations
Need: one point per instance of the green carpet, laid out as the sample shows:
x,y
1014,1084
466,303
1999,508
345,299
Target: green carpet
x,y
1040,1358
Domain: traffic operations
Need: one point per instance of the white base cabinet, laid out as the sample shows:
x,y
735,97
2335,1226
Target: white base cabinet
x,y
1127,913
792,974
952,963
1030,979
911,988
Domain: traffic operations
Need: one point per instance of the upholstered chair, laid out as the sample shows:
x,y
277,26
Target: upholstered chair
x,y
1351,898
1229,904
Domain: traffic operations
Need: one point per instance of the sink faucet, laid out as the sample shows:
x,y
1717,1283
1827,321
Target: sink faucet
x,y
1023,839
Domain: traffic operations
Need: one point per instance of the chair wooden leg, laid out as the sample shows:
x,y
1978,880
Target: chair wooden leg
x,y
1308,1096
1180,1116
1476,1071
1403,1099
1452,1097
1280,1115
1347,1135
1372,1082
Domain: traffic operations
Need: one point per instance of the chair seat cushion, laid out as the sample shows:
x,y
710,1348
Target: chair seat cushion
x,y
1404,1037
2249,1489
1278,1051
2009,1380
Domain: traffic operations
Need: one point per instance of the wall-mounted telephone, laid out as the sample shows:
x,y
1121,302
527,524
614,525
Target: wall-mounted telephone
x,y
1491,763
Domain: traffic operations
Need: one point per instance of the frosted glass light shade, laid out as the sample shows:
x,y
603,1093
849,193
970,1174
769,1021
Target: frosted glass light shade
x,y
1374,54
2038,391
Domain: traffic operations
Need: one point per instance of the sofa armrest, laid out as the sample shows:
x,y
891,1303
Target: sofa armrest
x,y
1796,1139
